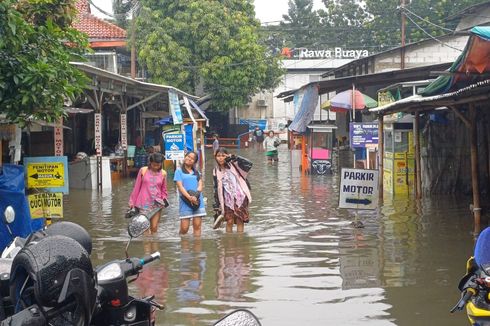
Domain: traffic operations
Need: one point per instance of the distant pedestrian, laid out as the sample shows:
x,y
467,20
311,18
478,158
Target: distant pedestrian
x,y
191,203
271,143
150,190
215,143
231,190
258,135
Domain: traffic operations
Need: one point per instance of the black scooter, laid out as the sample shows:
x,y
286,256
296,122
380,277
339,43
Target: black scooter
x,y
115,306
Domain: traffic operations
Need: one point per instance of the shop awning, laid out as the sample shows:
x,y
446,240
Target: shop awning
x,y
472,65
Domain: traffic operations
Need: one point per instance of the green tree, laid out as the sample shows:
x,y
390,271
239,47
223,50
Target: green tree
x,y
206,46
36,46
302,24
342,24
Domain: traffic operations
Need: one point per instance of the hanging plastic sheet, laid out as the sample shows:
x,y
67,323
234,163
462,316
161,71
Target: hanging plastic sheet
x,y
189,138
307,100
12,193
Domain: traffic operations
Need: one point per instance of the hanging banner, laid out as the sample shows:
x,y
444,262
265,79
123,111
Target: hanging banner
x,y
124,132
173,100
58,139
46,205
98,133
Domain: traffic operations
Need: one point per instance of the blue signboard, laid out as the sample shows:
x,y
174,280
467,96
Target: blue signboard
x,y
363,133
174,146
49,173
252,123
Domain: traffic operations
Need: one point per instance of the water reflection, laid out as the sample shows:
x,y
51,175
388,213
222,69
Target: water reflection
x,y
300,261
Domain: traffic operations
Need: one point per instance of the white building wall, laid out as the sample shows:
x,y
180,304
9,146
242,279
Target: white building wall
x,y
298,73
424,54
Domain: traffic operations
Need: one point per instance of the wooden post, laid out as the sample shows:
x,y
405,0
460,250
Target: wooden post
x,y
474,170
418,167
304,155
381,154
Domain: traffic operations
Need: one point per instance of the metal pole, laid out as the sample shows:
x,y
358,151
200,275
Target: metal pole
x,y
380,155
474,169
402,48
133,47
418,167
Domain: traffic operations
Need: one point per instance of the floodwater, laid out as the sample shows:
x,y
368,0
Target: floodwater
x,y
299,262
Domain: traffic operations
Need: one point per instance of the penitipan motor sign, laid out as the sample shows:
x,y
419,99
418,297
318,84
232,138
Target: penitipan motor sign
x,y
358,189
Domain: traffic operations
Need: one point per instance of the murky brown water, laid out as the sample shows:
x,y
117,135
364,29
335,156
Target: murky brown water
x,y
299,262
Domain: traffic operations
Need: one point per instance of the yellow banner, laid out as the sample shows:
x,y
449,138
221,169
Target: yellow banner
x,y
46,205
45,175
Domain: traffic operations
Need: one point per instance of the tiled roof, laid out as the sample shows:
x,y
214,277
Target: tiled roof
x,y
95,27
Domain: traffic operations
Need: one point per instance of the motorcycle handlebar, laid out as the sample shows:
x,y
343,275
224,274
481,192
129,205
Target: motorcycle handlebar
x,y
150,258
467,294
134,265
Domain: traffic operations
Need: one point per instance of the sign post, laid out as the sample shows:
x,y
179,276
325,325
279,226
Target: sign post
x,y
47,176
359,190
174,146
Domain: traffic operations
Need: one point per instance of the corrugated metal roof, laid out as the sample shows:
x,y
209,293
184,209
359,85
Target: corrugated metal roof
x,y
430,102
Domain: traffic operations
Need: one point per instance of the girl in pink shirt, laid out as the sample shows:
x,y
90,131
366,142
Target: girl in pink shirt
x,y
150,190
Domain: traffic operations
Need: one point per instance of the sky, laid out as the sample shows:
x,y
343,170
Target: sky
x,y
266,10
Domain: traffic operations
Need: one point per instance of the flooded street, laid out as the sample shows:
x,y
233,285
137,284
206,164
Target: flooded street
x,y
299,262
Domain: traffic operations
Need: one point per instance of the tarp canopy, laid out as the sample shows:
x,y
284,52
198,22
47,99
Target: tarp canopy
x,y
469,67
305,103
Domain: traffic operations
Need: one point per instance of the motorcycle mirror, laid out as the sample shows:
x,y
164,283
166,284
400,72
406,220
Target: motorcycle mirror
x,y
239,317
9,215
139,224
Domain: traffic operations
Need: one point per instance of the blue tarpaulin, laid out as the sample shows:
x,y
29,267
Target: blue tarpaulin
x,y
12,193
189,139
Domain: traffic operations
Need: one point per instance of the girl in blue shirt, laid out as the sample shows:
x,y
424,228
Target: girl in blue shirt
x,y
188,179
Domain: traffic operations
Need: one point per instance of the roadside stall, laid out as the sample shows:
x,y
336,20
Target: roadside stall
x,y
319,148
399,158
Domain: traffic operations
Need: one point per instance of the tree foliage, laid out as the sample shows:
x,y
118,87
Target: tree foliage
x,y
121,9
371,24
206,44
36,47
302,23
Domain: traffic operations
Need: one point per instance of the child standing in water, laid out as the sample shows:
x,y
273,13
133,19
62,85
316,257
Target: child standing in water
x,y
231,190
150,190
191,204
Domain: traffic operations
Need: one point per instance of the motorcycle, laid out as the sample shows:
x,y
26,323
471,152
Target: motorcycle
x,y
52,281
62,288
475,285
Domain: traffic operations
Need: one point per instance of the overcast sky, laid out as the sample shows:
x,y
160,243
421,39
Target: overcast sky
x,y
266,10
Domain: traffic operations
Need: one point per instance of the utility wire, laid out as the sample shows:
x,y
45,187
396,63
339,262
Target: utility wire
x,y
427,21
432,37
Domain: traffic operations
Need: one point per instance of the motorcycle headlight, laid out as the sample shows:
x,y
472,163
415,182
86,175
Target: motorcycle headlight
x,y
109,272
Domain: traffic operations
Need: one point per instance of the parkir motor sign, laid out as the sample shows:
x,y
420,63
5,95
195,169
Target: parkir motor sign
x,y
358,189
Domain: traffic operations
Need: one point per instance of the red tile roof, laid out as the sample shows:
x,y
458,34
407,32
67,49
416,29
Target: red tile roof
x,y
94,27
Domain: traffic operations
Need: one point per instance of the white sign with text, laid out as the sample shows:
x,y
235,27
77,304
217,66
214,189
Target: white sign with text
x,y
358,189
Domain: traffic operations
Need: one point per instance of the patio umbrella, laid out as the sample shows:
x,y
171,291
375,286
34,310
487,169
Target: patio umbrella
x,y
342,102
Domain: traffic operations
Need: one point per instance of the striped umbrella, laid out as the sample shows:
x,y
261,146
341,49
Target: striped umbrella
x,y
342,102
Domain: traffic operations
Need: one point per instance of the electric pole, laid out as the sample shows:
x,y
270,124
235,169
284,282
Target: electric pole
x,y
402,50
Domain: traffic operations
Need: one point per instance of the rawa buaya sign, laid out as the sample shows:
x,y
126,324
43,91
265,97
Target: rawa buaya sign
x,y
335,53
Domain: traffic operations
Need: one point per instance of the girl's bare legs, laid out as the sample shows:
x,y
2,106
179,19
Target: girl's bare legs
x,y
184,225
229,225
239,225
196,226
154,222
